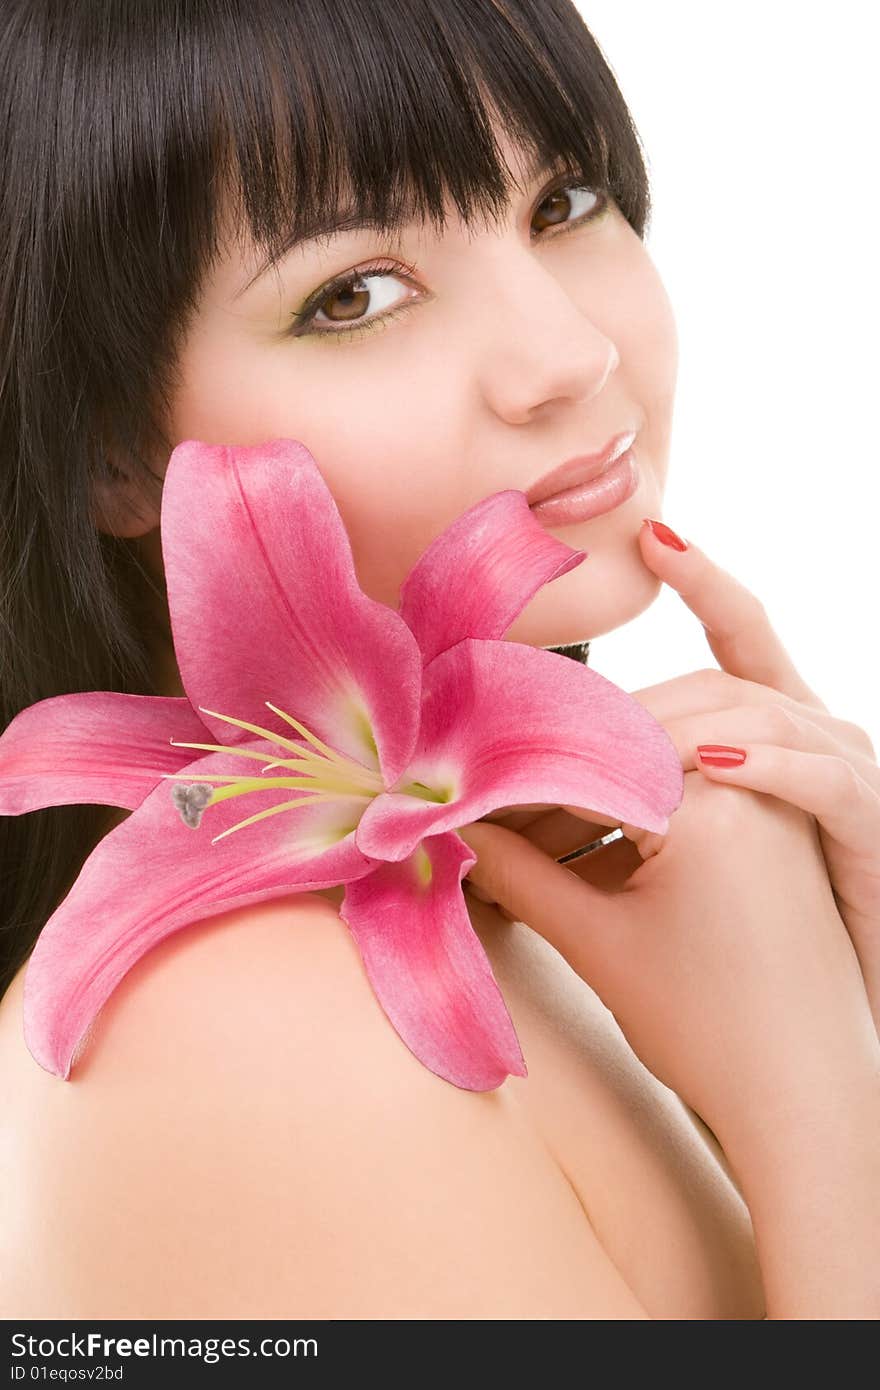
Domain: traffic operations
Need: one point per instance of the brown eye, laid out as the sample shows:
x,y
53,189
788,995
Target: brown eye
x,y
351,301
346,303
556,208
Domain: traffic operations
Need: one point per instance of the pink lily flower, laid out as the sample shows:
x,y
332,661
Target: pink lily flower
x,y
404,725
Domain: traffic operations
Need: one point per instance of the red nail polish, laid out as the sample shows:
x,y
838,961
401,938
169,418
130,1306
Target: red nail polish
x,y
666,535
721,755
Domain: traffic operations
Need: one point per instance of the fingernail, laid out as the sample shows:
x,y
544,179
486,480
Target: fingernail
x,y
721,755
666,535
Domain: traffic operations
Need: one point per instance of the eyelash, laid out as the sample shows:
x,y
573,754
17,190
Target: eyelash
x,y
351,278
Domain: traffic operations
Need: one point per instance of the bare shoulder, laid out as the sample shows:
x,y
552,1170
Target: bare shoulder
x,y
245,1135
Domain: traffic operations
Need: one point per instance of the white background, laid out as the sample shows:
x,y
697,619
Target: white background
x,y
760,126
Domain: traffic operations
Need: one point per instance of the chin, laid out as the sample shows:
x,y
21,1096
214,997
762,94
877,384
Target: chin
x,y
606,591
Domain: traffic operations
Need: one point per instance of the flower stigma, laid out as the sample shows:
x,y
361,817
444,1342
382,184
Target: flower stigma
x,y
423,867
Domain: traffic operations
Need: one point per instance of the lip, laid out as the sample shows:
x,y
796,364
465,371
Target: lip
x,y
614,485
582,469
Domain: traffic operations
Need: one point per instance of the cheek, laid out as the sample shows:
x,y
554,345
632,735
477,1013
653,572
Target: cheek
x,y
389,488
647,336
229,393
369,445
390,502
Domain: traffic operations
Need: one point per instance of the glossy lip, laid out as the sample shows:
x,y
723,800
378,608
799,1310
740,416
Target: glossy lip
x,y
615,485
582,469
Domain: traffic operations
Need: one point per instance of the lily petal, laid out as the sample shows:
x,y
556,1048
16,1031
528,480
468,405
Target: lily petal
x,y
265,605
479,574
98,746
428,967
153,875
504,724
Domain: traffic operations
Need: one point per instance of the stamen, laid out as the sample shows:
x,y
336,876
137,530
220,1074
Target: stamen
x,y
255,729
272,811
206,776
226,748
191,802
313,766
242,785
324,773
305,755
306,733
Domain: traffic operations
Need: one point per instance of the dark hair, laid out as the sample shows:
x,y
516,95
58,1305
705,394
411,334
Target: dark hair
x,y
126,129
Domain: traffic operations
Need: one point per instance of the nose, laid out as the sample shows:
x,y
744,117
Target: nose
x,y
542,347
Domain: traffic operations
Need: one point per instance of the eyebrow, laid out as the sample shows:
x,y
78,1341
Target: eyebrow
x,y
348,219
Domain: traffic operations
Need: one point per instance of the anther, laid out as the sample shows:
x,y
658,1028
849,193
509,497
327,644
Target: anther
x,y
191,799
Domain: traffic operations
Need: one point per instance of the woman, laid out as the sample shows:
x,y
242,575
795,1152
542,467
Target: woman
x,y
197,202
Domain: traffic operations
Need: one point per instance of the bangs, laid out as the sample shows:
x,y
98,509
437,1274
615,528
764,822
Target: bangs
x,y
328,116
146,130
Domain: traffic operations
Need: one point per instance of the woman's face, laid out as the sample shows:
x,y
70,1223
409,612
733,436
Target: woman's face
x,y
521,346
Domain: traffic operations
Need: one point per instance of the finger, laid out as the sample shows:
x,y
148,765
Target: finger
x,y
527,819
472,891
611,868
563,831
580,921
647,842
827,786
561,837
771,723
566,839
565,835
737,627
710,690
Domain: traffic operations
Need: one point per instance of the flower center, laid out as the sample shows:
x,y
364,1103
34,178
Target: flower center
x,y
319,770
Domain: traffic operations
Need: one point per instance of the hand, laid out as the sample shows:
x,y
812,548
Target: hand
x,y
795,749
740,991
